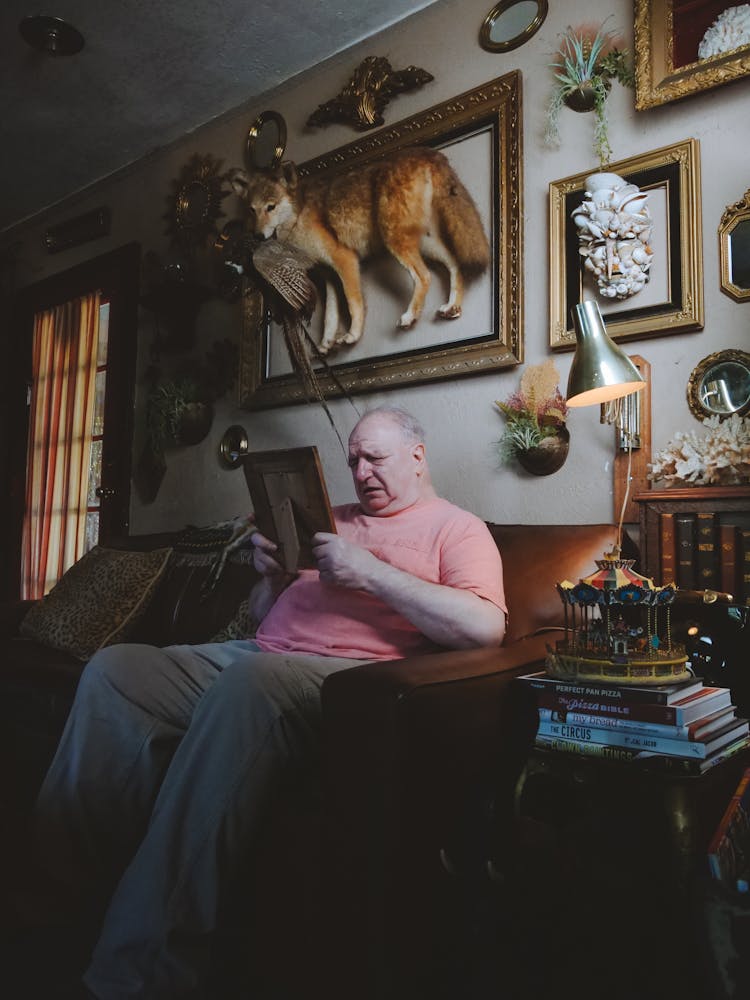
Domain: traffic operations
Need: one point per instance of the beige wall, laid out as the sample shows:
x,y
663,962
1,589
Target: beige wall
x,y
462,422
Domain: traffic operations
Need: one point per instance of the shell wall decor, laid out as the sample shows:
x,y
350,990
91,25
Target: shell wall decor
x,y
614,234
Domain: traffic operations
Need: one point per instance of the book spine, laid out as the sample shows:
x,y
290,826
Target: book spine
x,y
612,694
730,546
706,551
641,741
667,552
690,766
745,564
606,708
685,732
684,525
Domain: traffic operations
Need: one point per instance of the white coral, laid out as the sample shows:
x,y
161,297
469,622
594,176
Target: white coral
x,y
730,30
720,457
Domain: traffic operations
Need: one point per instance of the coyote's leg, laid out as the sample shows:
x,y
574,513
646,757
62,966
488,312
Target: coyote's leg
x,y
346,264
330,318
410,258
435,249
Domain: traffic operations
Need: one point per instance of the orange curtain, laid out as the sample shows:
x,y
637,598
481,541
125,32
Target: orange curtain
x,y
64,354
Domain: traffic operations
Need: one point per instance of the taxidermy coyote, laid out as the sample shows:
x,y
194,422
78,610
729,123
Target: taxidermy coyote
x,y
411,204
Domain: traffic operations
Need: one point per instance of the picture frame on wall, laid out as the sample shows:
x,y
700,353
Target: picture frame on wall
x,y
672,300
667,35
480,132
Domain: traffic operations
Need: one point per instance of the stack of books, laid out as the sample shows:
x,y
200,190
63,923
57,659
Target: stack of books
x,y
686,727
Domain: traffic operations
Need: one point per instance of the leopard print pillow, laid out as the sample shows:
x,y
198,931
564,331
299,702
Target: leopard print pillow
x,y
97,602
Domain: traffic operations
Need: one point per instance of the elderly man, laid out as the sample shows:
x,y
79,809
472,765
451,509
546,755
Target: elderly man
x,y
169,755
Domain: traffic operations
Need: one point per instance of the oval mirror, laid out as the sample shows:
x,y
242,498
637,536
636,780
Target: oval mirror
x,y
233,446
266,141
719,385
734,250
510,23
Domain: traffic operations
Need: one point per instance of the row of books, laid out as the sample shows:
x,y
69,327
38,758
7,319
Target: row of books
x,y
699,551
685,727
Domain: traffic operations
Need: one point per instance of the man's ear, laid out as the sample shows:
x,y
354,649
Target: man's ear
x,y
418,455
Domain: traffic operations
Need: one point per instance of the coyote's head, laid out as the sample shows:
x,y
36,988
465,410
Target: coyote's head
x,y
269,197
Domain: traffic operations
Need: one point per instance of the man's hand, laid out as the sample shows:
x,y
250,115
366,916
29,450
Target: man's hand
x,y
263,556
344,563
274,577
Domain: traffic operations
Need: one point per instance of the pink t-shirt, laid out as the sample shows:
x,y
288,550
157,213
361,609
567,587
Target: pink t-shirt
x,y
433,540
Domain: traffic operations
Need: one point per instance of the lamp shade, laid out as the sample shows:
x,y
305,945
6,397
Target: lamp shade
x,y
600,370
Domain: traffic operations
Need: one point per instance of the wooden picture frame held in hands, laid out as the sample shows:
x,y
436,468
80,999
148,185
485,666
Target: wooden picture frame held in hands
x,y
290,501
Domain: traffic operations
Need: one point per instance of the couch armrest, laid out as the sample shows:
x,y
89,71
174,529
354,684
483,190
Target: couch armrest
x,y
422,756
11,615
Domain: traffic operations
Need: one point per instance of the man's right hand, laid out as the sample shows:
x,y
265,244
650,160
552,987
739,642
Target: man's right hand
x,y
263,557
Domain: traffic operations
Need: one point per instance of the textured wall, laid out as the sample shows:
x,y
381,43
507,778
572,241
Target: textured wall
x,y
461,420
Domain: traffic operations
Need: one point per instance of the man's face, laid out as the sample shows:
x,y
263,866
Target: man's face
x,y
387,471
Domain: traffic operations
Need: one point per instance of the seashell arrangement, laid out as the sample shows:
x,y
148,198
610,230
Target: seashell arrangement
x,y
614,235
721,457
730,30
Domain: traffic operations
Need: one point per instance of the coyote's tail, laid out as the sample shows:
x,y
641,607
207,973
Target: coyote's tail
x,y
460,222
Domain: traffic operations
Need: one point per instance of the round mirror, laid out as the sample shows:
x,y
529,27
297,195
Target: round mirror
x,y
266,141
233,446
734,250
719,385
510,23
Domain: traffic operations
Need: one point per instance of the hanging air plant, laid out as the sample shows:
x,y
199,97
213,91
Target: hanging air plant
x,y
587,61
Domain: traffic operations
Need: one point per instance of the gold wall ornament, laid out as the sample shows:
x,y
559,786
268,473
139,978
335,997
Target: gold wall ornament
x,y
734,250
266,141
662,72
194,202
362,101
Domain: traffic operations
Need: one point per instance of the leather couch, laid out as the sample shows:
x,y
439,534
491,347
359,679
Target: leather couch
x,y
384,878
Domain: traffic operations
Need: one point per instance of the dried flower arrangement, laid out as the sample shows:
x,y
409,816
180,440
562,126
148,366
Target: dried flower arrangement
x,y
535,413
588,59
720,457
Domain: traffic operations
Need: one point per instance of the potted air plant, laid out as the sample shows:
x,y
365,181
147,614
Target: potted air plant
x,y
587,61
535,433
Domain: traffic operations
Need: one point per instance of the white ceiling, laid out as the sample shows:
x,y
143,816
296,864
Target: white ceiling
x,y
149,73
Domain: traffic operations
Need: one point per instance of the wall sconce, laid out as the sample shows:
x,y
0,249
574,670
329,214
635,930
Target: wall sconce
x,y
233,446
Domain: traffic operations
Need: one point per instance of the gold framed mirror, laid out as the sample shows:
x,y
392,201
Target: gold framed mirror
x,y
266,141
233,447
719,385
194,203
510,23
734,250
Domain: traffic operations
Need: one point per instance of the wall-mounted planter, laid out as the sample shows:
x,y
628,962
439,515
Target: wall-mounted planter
x,y
547,457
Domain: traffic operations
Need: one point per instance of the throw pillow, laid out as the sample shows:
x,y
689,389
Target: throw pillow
x,y
242,626
97,602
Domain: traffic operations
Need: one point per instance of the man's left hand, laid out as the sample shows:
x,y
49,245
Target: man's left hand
x,y
342,562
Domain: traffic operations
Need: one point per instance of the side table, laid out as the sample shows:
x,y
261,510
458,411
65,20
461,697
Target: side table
x,y
630,867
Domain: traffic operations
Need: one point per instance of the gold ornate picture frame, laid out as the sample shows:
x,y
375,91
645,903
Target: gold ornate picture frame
x,y
672,301
490,117
667,67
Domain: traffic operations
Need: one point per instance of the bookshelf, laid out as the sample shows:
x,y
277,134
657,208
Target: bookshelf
x,y
729,504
